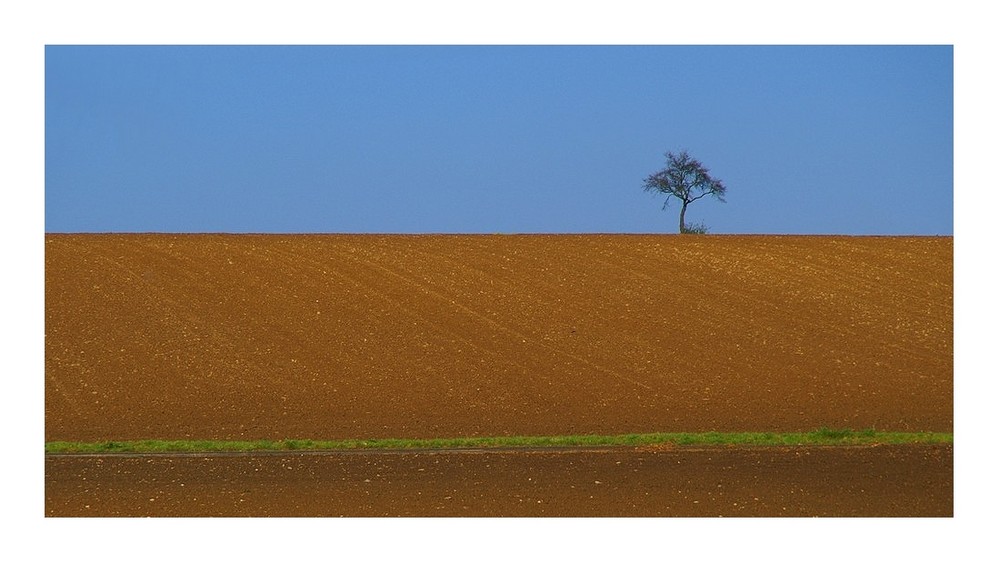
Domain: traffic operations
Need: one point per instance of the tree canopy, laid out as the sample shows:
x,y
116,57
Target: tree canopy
x,y
686,179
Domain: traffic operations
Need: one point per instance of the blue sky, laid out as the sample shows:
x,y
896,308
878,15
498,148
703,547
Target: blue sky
x,y
486,139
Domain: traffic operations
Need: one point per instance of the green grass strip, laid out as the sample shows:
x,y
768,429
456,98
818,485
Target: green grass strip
x,y
821,437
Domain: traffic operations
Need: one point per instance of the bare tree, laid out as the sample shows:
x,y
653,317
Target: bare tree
x,y
687,180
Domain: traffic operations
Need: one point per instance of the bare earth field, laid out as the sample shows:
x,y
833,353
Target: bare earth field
x,y
883,481
368,336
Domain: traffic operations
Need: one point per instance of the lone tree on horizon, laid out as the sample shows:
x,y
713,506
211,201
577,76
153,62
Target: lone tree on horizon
x,y
687,180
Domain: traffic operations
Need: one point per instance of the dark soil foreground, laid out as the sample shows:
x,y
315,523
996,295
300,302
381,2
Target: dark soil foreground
x,y
877,481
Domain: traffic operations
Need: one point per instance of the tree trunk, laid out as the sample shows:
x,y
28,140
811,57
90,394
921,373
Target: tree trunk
x,y
684,207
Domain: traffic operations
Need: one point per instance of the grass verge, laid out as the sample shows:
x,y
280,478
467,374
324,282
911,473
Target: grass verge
x,y
821,437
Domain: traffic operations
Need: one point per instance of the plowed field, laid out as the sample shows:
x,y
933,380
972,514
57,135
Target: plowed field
x,y
329,337
365,336
879,481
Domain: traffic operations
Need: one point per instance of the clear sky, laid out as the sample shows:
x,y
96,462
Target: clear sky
x,y
487,139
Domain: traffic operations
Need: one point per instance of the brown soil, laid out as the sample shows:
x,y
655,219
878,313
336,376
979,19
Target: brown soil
x,y
325,337
884,481
356,336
